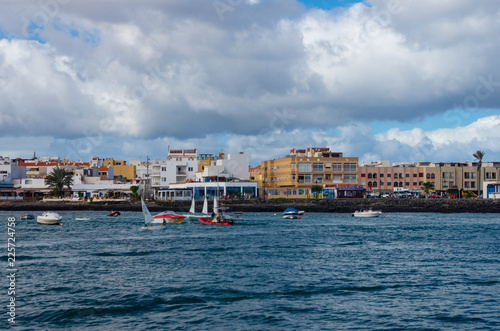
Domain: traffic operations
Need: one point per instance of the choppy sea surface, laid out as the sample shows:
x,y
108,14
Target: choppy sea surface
x,y
322,272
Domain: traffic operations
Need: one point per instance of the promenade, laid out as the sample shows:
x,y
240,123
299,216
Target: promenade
x,y
387,205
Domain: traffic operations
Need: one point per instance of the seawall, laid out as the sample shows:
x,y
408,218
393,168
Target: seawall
x,y
260,205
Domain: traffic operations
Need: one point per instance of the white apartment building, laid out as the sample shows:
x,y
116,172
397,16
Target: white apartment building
x,y
10,170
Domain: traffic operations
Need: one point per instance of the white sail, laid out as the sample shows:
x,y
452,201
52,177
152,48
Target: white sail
x,y
192,210
205,206
147,215
216,205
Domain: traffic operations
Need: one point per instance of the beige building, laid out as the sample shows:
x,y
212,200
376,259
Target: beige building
x,y
293,175
384,177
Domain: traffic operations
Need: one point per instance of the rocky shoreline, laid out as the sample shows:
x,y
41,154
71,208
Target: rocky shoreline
x,y
261,205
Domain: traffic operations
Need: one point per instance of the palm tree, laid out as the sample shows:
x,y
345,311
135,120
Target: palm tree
x,y
479,157
59,178
427,186
316,189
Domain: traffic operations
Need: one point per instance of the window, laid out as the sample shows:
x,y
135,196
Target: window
x,y
363,175
370,176
407,175
466,175
491,175
374,176
414,183
28,181
420,174
473,175
370,184
304,167
163,168
433,176
389,183
190,168
414,175
466,184
445,183
293,165
395,184
350,179
374,184
381,175
395,175
328,165
389,175
337,167
293,176
350,167
304,178
472,184
317,179
317,167
336,178
428,176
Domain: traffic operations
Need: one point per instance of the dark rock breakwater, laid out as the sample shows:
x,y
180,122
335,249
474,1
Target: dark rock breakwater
x,y
261,205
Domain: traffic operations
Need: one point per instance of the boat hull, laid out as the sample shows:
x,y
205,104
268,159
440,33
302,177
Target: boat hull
x,y
48,221
290,217
366,214
168,219
211,221
49,218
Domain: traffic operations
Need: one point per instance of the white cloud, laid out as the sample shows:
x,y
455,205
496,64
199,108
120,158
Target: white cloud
x,y
147,71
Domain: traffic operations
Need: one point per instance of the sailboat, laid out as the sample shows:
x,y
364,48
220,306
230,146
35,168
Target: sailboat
x,y
148,219
218,217
205,206
192,211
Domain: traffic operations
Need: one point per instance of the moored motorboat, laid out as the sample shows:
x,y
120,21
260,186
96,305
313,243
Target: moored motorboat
x,y
290,213
114,214
168,217
82,218
49,218
27,217
367,213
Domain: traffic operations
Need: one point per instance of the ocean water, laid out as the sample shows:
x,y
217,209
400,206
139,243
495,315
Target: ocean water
x,y
322,272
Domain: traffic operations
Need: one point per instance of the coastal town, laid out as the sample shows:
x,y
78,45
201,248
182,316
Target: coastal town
x,y
302,174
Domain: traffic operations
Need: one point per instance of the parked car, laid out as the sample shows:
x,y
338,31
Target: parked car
x,y
385,195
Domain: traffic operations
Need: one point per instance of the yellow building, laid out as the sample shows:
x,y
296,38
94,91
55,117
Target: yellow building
x,y
206,160
121,169
294,175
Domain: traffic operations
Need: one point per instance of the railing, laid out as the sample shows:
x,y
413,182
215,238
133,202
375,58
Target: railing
x,y
11,198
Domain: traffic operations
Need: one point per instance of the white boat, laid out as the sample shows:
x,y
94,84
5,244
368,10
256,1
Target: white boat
x,y
367,213
82,218
148,219
290,213
192,212
49,218
205,206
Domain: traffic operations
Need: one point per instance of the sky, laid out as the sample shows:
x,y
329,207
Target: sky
x,y
399,80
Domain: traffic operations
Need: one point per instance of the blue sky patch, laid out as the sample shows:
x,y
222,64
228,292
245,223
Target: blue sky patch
x,y
328,4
